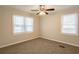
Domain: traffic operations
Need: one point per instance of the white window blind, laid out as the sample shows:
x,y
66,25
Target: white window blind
x,y
18,24
29,24
22,24
69,23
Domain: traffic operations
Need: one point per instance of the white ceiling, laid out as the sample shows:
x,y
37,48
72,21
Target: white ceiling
x,y
28,8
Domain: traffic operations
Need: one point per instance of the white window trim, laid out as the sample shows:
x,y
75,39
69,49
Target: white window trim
x,y
32,26
76,34
24,26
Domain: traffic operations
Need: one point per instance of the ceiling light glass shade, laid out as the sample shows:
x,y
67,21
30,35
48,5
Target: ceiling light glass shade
x,y
42,13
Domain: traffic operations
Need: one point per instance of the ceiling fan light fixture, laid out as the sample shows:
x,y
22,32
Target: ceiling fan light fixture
x,y
42,13
43,10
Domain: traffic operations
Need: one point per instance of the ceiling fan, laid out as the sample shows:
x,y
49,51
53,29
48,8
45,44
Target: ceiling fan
x,y
43,10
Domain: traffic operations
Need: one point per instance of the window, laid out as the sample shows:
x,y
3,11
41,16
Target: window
x,y
69,24
22,24
28,24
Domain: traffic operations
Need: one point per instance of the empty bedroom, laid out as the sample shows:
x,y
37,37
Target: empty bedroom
x,y
39,29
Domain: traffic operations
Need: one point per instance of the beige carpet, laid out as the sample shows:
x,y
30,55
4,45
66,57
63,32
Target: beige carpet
x,y
40,46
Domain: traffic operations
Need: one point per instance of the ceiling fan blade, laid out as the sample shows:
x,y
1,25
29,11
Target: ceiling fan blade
x,y
37,14
46,13
34,10
50,9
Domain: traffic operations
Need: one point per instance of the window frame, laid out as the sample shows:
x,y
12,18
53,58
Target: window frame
x,y
24,26
76,24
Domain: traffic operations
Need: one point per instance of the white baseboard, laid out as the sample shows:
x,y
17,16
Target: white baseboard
x,y
17,42
35,38
61,41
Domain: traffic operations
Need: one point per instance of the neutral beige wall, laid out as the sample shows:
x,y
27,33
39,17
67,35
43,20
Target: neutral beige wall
x,y
6,22
1,34
0,22
50,27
